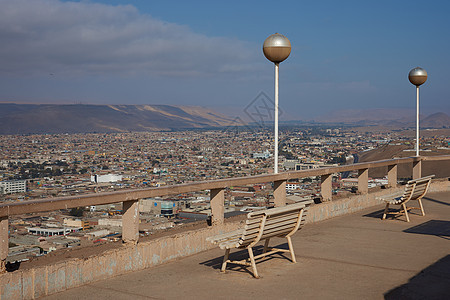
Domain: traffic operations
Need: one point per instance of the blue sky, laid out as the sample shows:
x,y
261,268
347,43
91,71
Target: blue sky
x,y
345,54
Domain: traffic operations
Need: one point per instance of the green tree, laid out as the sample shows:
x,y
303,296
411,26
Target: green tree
x,y
76,212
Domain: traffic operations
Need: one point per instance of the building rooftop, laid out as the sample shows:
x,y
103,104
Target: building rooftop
x,y
356,256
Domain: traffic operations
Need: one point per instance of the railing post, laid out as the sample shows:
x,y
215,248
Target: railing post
x,y
217,199
417,169
279,192
325,187
363,181
392,176
130,221
4,246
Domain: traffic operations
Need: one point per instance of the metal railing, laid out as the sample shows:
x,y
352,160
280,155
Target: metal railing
x,y
130,198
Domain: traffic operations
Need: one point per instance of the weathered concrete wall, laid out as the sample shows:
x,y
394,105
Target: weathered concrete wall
x,y
345,206
40,281
37,282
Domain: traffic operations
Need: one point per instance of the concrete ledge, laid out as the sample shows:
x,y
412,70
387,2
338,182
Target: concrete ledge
x,y
37,282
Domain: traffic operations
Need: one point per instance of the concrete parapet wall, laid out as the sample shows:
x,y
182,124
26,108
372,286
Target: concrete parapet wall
x,y
46,280
440,185
345,206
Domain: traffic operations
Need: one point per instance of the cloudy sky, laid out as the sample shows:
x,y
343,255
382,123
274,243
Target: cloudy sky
x,y
345,54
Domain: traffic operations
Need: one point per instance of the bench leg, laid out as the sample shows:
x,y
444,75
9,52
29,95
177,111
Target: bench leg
x,y
406,212
385,211
291,249
266,245
225,260
252,260
421,207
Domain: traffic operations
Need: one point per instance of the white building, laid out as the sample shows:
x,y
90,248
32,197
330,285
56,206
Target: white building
x,y
106,178
291,186
13,186
266,154
48,231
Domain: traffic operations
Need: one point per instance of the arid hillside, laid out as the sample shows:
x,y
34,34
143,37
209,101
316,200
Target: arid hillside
x,y
78,118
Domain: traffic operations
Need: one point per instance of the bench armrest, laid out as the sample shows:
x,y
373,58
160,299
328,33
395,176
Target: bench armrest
x,y
390,196
216,239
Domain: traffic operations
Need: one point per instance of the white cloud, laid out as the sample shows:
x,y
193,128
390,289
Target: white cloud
x,y
82,37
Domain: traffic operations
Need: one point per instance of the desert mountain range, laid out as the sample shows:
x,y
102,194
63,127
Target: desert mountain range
x,y
78,118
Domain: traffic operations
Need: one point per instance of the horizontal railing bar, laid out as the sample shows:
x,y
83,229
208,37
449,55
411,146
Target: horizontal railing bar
x,y
51,204
353,167
436,158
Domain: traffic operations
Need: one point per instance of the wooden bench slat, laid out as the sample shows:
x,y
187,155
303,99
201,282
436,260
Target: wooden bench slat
x,y
421,180
274,232
292,222
254,220
279,210
274,225
225,235
272,220
251,223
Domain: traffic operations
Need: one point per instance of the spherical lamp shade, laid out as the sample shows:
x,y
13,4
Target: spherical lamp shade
x,y
417,76
277,48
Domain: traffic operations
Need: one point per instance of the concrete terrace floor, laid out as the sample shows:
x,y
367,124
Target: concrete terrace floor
x,y
357,256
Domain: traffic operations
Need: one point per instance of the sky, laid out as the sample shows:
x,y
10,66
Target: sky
x,y
345,54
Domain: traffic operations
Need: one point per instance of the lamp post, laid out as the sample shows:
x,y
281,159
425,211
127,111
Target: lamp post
x,y
276,48
417,76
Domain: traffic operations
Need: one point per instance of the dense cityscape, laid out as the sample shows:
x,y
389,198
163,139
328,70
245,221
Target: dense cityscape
x,y
42,166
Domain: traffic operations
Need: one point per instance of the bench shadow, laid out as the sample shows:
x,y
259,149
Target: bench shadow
x,y
216,263
432,282
379,214
439,228
436,201
376,214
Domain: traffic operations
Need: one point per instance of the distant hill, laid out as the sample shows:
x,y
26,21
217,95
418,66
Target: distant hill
x,y
437,120
368,116
385,117
79,118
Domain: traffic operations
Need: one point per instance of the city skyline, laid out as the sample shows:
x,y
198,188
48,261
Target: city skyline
x,y
346,55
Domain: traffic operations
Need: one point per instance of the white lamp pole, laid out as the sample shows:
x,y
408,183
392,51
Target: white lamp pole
x,y
276,48
277,76
417,76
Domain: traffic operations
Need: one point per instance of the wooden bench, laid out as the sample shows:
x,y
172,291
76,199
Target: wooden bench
x,y
415,190
262,225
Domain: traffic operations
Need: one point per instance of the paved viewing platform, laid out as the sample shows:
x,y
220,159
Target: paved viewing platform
x,y
355,256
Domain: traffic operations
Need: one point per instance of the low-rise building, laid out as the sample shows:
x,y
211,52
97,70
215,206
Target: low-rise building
x,y
78,223
266,154
13,186
48,231
106,178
